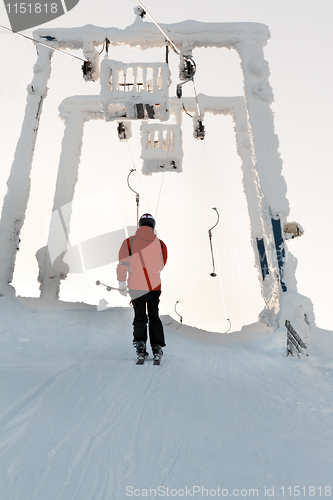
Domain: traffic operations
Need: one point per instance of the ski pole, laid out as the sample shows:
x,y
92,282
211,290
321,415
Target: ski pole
x,y
109,288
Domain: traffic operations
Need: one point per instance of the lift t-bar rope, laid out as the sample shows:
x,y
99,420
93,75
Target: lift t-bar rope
x,y
188,58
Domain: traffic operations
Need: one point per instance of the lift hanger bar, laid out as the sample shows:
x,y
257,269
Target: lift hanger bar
x,y
137,197
213,274
180,316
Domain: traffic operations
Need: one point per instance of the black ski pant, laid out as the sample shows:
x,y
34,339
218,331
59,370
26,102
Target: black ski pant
x,y
146,312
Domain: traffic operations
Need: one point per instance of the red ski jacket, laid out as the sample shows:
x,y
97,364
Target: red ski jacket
x,y
141,259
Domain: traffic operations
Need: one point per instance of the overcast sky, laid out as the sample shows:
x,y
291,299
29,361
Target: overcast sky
x,y
299,56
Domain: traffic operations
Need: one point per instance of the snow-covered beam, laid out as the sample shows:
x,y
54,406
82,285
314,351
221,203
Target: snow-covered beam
x,y
74,111
52,269
186,35
17,196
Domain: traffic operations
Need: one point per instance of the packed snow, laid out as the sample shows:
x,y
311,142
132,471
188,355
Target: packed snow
x,y
224,415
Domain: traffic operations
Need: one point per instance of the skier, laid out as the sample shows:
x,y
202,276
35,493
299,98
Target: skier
x,y
141,259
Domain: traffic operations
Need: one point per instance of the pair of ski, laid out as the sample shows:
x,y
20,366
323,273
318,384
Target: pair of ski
x,y
142,357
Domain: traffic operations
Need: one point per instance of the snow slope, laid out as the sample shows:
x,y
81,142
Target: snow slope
x,y
224,415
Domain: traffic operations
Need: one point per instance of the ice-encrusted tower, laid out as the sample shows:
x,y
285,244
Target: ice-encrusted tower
x,y
126,92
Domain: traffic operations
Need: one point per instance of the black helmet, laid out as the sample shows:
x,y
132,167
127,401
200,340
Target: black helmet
x,y
147,220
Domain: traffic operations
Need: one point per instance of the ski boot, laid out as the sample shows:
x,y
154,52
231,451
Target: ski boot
x,y
157,354
141,352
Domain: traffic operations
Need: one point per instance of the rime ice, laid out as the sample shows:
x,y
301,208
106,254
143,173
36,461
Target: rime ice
x,y
128,91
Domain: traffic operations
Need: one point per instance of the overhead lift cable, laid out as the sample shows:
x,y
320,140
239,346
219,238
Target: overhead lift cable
x,y
190,66
42,43
161,30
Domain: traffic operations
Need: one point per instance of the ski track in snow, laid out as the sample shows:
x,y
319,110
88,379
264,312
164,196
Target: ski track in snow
x,y
89,422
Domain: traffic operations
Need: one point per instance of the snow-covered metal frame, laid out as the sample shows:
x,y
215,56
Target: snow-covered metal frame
x,y
133,91
75,111
161,147
276,267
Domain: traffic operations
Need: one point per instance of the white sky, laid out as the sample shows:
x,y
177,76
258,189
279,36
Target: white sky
x,y
299,56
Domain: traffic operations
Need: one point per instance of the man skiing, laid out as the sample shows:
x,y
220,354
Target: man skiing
x,y
141,259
